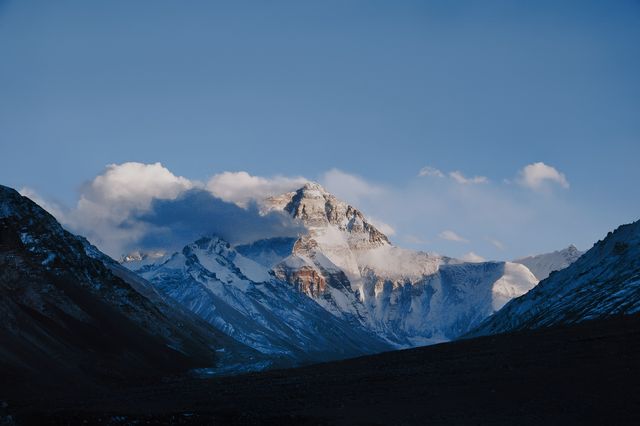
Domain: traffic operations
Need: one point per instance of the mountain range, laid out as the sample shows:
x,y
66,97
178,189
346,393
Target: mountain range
x,y
339,289
74,318
346,267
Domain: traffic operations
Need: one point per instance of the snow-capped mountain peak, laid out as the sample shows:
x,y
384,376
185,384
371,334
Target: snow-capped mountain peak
x,y
543,265
318,210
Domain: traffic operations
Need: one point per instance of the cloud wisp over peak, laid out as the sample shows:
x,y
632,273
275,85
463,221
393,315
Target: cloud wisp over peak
x,y
472,257
456,176
460,178
430,171
450,235
241,188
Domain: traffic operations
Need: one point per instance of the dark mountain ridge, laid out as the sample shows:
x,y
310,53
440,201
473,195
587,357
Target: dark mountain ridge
x,y
67,318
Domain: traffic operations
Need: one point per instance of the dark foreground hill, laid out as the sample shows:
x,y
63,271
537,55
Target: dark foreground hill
x,y
587,373
67,319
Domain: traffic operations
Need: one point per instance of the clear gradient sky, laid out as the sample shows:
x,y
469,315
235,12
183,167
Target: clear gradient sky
x,y
374,89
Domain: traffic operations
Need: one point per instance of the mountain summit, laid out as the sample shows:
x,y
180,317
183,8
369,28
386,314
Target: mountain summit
x,y
318,210
543,265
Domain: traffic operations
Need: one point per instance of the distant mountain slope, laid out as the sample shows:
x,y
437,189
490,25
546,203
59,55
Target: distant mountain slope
x,y
603,282
543,265
242,299
65,315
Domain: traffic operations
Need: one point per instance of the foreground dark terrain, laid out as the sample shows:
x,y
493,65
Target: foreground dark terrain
x,y
587,373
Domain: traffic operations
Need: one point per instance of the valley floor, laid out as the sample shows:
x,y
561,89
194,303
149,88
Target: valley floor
x,y
585,374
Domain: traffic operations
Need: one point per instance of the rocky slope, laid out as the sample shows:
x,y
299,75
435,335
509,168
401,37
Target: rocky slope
x,y
65,315
543,265
603,282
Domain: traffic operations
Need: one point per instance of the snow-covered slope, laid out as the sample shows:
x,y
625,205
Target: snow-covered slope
x,y
242,299
603,282
409,298
543,265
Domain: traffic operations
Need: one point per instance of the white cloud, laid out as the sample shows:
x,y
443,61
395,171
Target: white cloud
x,y
473,258
349,187
135,205
497,244
456,175
460,178
241,187
383,227
413,239
430,171
356,191
452,236
107,203
135,185
536,176
116,210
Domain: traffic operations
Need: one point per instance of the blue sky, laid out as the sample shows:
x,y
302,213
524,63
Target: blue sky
x,y
375,90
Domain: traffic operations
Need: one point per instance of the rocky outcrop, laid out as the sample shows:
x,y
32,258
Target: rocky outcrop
x,y
318,209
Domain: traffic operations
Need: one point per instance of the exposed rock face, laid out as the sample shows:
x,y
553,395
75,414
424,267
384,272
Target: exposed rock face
x,y
305,279
603,282
318,209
